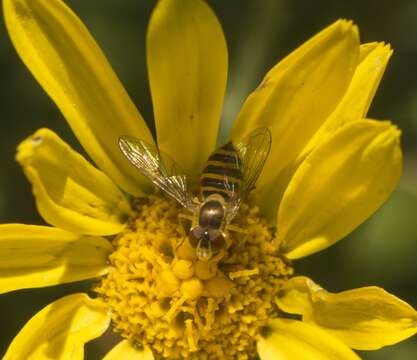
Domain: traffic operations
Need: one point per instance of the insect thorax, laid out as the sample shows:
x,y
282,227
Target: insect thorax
x,y
212,212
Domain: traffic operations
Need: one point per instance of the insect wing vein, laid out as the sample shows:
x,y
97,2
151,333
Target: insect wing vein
x,y
253,152
158,168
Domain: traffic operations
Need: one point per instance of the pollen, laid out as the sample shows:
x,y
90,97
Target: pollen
x,y
163,297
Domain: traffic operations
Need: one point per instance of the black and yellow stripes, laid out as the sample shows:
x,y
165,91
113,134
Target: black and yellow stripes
x,y
222,174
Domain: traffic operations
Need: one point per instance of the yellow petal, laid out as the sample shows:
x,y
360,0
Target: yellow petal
x,y
339,185
291,339
356,102
294,99
36,256
187,65
366,48
66,61
367,318
60,330
70,192
126,351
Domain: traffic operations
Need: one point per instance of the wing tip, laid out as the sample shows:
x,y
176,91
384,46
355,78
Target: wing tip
x,y
122,139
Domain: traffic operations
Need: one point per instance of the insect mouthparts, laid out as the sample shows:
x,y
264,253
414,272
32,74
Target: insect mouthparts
x,y
204,251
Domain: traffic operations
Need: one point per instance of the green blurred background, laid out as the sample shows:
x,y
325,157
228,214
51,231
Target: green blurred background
x,y
259,33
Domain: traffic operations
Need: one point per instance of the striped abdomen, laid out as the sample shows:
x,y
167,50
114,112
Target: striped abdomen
x,y
222,173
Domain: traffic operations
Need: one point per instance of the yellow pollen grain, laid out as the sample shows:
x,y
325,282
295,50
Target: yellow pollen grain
x,y
205,270
183,269
184,250
192,288
218,287
163,297
167,283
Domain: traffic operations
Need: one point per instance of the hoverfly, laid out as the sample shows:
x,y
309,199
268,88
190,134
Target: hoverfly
x,y
230,174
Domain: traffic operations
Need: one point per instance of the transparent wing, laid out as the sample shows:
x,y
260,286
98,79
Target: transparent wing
x,y
232,206
252,153
158,168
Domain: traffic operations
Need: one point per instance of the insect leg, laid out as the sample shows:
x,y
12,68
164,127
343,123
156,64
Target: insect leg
x,y
244,233
216,258
186,221
237,229
183,245
182,219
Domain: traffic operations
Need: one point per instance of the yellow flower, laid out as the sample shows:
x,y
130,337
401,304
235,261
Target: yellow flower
x,y
329,169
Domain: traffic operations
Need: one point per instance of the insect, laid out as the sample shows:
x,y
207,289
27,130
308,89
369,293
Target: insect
x,y
228,177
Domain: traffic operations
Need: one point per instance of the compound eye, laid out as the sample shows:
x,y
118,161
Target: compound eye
x,y
194,236
217,240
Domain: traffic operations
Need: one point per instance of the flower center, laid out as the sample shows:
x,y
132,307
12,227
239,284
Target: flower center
x,y
163,297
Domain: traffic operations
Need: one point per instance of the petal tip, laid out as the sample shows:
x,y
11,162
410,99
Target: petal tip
x,y
385,51
347,26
